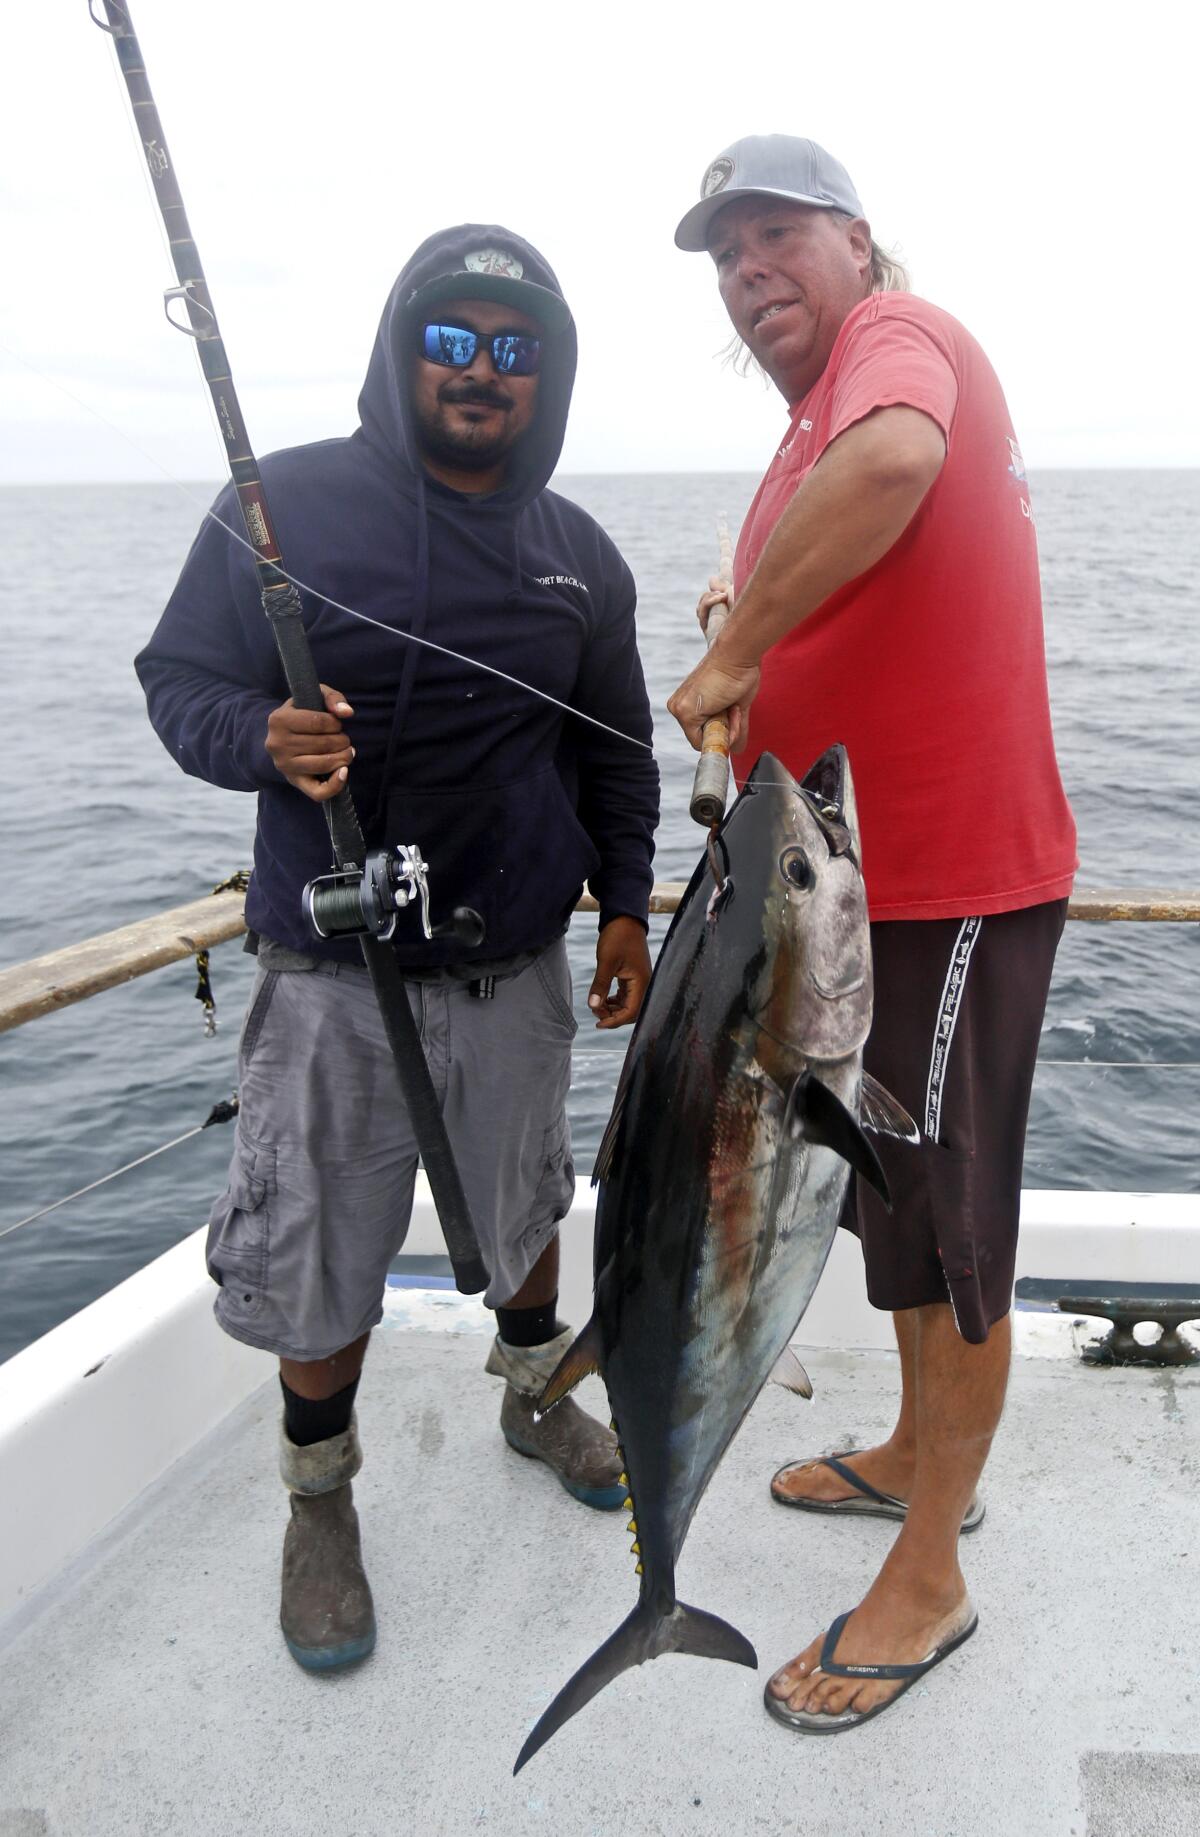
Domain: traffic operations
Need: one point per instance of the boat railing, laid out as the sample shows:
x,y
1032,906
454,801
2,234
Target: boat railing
x,y
43,985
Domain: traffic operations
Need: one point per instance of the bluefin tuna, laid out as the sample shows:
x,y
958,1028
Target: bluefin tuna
x,y
736,1125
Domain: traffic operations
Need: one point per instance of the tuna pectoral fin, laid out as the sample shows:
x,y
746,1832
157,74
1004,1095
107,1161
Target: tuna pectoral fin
x,y
581,1358
647,1633
610,1142
880,1111
790,1373
820,1117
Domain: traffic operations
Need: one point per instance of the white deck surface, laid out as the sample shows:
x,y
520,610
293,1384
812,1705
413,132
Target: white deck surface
x,y
148,1690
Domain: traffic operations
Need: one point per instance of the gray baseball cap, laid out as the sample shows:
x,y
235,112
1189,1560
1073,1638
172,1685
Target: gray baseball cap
x,y
771,165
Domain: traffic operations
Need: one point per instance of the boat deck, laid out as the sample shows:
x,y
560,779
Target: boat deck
x,y
147,1690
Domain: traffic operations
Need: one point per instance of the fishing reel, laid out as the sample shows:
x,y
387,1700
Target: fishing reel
x,y
355,901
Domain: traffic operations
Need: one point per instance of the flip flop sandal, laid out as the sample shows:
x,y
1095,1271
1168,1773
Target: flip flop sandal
x,y
818,1722
869,1504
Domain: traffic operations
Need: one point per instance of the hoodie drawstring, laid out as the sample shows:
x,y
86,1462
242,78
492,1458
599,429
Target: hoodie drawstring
x,y
513,596
420,616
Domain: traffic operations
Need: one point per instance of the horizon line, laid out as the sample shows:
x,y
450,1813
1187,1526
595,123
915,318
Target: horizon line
x,y
28,484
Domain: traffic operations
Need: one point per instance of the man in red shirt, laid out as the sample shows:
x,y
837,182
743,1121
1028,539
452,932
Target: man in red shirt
x,y
886,596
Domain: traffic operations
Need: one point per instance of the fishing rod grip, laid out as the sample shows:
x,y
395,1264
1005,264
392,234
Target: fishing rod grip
x,y
710,786
283,608
454,1214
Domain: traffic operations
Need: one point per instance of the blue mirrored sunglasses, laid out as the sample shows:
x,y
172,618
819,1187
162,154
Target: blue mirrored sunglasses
x,y
513,353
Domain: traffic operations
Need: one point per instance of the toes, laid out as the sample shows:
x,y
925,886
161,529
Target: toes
x,y
789,1481
870,1696
824,1693
792,1677
797,1671
804,1695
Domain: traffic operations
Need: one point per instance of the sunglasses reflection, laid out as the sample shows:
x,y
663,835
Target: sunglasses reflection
x,y
512,353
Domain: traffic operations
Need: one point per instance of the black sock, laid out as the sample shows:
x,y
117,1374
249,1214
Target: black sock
x,y
528,1326
310,1420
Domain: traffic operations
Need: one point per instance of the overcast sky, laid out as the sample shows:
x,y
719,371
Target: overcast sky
x,y
1036,165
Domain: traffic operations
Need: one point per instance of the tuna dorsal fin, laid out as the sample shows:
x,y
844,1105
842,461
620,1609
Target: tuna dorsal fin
x,y
578,1362
816,1114
788,1371
880,1111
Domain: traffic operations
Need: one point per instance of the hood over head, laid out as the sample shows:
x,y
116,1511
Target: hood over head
x,y
472,261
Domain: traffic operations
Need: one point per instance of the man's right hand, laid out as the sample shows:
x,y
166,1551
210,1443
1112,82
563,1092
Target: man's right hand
x,y
310,749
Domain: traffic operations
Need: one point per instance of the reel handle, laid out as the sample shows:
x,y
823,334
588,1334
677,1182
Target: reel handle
x,y
464,925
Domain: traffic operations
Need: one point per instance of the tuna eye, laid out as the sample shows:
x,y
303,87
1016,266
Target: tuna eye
x,y
796,868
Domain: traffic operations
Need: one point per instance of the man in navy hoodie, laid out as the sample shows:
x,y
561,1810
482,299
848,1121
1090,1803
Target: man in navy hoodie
x,y
520,782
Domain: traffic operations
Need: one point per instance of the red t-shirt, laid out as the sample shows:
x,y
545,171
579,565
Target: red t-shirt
x,y
931,666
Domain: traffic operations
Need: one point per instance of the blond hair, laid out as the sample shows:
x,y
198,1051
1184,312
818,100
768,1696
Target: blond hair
x,y
887,274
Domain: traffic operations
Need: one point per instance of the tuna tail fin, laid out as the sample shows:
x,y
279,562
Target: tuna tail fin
x,y
645,1634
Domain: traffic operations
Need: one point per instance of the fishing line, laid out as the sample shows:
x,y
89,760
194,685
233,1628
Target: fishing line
x,y
1126,1065
220,1113
224,1112
392,631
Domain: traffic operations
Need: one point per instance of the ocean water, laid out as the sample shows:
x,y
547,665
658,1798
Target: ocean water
x,y
100,829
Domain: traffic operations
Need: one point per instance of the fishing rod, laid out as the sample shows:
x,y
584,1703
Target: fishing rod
x,y
362,891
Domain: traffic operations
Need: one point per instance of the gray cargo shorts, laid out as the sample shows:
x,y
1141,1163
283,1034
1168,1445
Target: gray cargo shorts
x,y
324,1162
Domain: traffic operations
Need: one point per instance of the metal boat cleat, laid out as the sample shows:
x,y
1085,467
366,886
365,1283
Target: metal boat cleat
x,y
1127,1305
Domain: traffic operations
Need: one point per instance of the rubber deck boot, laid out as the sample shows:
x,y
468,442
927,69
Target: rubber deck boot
x,y
325,1610
578,1449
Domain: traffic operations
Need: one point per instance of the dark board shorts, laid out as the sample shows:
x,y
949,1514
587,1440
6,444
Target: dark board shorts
x,y
958,1014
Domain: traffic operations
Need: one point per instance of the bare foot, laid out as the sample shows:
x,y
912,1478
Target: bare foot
x,y
889,1627
885,1468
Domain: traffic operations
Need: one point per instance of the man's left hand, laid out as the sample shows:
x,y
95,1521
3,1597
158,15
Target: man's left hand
x,y
623,957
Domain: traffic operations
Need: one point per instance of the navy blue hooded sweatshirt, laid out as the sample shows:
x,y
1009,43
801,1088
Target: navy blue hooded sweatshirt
x,y
514,803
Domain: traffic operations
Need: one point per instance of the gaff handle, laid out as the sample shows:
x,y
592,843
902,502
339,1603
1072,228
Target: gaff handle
x,y
710,786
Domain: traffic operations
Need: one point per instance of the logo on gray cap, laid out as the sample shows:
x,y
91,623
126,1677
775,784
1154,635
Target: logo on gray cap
x,y
494,261
718,174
